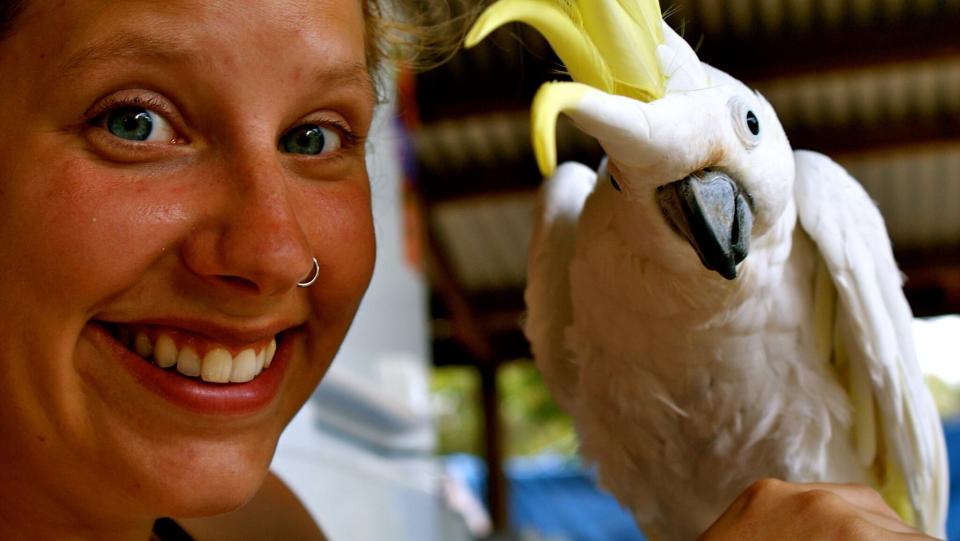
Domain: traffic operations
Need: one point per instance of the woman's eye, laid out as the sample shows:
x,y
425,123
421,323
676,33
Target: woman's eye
x,y
138,124
310,139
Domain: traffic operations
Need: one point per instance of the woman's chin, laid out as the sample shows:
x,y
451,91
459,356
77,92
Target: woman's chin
x,y
212,503
192,477
209,488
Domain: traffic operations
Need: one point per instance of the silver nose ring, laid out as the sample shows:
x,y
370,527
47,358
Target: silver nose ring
x,y
314,274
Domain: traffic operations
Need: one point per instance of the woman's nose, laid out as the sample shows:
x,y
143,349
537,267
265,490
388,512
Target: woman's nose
x,y
250,238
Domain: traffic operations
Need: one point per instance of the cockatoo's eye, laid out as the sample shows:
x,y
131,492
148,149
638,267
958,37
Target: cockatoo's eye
x,y
745,122
753,123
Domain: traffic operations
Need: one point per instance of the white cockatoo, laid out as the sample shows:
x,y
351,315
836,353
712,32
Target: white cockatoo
x,y
711,306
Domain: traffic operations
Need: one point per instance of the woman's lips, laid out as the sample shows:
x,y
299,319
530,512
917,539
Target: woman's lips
x,y
188,391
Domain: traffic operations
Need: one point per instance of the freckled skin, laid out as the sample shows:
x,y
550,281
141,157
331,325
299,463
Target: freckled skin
x,y
218,227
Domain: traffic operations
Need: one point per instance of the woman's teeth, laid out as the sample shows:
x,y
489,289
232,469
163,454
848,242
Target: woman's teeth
x,y
218,365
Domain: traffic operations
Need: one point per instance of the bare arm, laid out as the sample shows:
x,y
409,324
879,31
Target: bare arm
x,y
274,513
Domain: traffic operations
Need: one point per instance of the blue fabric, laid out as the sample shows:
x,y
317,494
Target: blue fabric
x,y
553,497
559,500
952,431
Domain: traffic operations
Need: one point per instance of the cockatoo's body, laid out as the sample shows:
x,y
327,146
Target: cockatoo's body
x,y
688,388
713,308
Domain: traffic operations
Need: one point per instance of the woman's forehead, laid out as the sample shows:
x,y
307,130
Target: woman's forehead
x,y
290,38
335,26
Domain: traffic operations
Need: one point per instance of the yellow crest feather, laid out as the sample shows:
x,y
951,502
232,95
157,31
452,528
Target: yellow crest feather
x,y
610,45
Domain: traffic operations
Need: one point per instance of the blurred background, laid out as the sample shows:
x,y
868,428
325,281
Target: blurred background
x,y
434,423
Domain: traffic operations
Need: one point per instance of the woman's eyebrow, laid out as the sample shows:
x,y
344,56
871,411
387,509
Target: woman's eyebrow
x,y
349,74
171,50
125,45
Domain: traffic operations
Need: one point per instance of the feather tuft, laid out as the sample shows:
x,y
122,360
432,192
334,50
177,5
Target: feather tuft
x,y
610,45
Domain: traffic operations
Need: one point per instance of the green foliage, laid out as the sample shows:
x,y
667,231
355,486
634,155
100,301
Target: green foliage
x,y
455,398
532,421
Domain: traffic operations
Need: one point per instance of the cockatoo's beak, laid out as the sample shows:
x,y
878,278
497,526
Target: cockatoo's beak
x,y
708,209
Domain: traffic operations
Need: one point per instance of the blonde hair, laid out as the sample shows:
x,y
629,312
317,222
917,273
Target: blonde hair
x,y
416,34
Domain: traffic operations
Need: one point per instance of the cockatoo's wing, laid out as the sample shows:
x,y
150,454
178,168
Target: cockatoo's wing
x,y
547,296
868,332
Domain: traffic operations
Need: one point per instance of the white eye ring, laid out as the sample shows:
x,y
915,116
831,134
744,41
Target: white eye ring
x,y
746,122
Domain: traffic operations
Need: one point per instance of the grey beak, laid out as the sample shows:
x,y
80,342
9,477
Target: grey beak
x,y
709,211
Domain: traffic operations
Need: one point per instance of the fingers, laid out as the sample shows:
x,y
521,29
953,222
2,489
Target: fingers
x,y
863,502
861,496
776,510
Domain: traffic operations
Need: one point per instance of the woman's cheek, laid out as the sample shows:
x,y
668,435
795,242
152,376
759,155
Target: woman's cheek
x,y
105,232
343,236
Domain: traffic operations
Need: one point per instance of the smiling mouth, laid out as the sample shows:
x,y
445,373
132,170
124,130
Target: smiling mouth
x,y
194,357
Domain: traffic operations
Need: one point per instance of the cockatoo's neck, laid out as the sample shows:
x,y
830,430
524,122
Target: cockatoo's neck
x,y
654,270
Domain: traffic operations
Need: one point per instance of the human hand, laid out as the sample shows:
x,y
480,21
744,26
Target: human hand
x,y
776,510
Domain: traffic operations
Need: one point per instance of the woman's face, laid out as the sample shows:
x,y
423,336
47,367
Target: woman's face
x,y
167,172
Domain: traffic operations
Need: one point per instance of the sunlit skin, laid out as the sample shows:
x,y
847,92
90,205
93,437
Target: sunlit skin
x,y
205,226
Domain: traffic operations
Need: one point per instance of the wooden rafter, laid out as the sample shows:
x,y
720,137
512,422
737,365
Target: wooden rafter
x,y
475,350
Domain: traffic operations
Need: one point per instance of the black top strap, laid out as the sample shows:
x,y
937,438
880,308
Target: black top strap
x,y
165,529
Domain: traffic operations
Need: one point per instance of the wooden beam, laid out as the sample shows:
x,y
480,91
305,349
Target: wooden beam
x,y
478,352
522,176
764,55
493,447
933,281
509,344
505,71
858,139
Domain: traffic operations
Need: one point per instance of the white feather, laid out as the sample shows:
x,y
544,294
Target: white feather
x,y
853,242
556,214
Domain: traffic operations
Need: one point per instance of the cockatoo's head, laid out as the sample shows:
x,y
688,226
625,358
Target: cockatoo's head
x,y
710,157
711,154
702,153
